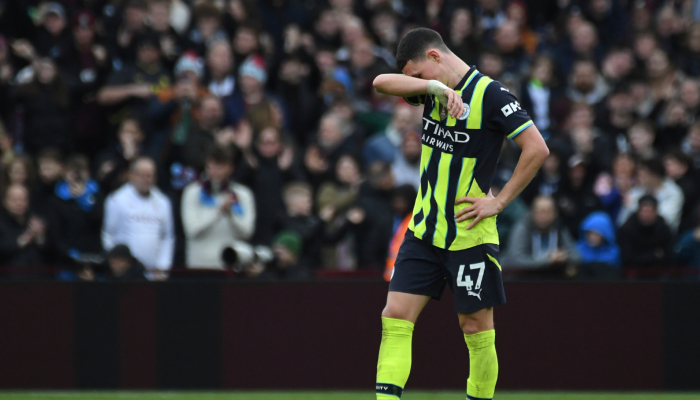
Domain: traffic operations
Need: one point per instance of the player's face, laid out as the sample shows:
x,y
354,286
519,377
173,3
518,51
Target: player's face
x,y
423,69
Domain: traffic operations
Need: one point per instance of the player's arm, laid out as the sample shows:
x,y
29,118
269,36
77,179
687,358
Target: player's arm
x,y
409,86
504,114
534,152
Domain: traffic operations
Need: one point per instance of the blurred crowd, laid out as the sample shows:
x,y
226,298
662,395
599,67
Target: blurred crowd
x,y
143,137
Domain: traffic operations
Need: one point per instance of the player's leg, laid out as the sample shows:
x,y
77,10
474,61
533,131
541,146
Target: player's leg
x,y
417,278
480,336
478,287
394,364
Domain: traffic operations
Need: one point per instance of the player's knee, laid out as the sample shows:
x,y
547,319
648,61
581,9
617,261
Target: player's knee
x,y
477,322
393,312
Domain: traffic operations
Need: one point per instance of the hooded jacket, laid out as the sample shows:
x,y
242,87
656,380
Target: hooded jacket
x,y
608,252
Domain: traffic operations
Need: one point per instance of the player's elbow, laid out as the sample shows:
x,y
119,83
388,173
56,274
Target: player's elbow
x,y
379,83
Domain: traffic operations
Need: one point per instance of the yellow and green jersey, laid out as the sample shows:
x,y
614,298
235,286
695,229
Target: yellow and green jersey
x,y
459,158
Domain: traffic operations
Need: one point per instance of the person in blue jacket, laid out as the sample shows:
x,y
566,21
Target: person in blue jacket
x,y
597,247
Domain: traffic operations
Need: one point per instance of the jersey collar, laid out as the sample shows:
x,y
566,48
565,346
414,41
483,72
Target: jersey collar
x,y
467,78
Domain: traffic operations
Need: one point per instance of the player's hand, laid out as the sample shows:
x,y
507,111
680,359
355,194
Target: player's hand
x,y
454,104
481,208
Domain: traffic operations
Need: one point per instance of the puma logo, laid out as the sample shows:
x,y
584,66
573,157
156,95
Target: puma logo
x,y
475,294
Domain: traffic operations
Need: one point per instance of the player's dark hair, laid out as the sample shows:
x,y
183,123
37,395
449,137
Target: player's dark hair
x,y
654,165
413,45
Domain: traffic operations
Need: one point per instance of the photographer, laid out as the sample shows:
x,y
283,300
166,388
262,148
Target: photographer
x,y
217,214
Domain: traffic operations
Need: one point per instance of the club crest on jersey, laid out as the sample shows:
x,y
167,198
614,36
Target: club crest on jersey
x,y
465,114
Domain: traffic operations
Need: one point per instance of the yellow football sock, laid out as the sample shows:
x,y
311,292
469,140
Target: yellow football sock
x,y
483,365
394,363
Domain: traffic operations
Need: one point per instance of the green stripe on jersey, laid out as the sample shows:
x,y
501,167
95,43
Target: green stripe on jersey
x,y
441,185
477,102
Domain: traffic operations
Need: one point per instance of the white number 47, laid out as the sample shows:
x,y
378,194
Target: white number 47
x,y
466,281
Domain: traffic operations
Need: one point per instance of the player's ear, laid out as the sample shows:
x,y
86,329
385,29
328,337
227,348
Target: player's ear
x,y
433,55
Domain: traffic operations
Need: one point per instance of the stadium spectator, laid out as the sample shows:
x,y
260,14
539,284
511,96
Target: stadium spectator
x,y
50,168
402,207
541,241
140,216
514,212
20,170
129,88
509,44
646,240
462,38
678,168
641,137
385,146
217,214
222,81
287,248
252,80
122,266
600,254
113,162
206,27
406,165
611,189
575,196
124,45
22,235
587,85
171,43
300,218
47,108
537,95
652,180
75,216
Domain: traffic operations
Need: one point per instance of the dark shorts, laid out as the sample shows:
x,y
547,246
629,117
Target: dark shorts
x,y
474,275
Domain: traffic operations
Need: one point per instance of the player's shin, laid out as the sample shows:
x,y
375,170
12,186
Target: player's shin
x,y
394,363
483,365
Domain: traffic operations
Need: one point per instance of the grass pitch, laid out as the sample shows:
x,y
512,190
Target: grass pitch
x,y
413,395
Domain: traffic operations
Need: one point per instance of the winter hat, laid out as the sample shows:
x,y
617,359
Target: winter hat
x,y
52,8
290,240
254,66
190,62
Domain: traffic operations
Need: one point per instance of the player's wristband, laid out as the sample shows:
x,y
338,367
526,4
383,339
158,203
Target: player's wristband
x,y
437,88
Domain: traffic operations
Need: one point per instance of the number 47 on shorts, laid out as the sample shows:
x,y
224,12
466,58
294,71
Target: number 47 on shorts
x,y
466,280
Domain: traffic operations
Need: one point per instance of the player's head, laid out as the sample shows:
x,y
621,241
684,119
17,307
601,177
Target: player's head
x,y
421,54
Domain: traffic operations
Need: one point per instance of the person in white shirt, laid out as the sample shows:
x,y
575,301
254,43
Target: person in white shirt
x,y
652,179
218,214
140,216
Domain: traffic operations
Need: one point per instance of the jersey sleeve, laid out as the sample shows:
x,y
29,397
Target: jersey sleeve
x,y
504,111
415,100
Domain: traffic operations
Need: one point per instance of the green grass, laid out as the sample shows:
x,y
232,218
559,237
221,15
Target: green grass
x,y
106,395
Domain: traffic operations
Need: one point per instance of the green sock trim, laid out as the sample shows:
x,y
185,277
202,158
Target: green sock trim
x,y
483,364
394,364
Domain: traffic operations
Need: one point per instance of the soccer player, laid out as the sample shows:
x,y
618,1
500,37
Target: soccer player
x,y
452,237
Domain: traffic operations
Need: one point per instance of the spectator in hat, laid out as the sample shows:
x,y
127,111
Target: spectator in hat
x,y
53,37
600,254
122,266
129,89
288,248
652,180
175,111
645,239
252,80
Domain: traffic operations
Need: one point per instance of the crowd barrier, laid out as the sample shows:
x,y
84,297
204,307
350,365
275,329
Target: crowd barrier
x,y
325,335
